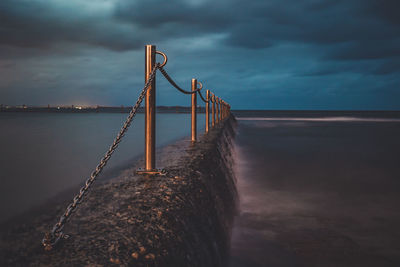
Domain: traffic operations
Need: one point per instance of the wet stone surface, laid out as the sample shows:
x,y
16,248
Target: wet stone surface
x,y
180,219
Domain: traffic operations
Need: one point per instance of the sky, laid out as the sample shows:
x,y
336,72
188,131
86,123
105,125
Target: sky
x,y
257,54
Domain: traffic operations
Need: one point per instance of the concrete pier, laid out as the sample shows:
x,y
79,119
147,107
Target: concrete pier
x,y
180,219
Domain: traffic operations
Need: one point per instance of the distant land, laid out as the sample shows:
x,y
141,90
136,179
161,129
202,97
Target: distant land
x,y
93,109
183,109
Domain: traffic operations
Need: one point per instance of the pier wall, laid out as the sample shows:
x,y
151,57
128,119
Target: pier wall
x,y
183,218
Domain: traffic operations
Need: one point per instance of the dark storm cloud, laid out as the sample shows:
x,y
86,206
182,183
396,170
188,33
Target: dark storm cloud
x,y
322,72
389,67
126,25
361,29
276,47
369,27
329,23
204,16
371,49
385,9
43,24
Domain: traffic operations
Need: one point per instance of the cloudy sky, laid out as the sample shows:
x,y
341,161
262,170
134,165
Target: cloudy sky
x,y
258,54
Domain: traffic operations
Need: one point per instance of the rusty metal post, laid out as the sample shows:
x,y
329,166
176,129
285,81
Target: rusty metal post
x,y
194,111
207,110
213,111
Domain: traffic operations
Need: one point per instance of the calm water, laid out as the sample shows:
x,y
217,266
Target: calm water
x,y
317,189
43,154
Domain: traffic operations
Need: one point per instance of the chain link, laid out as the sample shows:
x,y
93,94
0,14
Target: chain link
x,y
162,70
50,239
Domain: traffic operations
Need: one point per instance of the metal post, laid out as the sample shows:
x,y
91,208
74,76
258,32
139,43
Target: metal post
x,y
221,110
225,115
217,110
150,115
221,115
213,111
194,110
224,109
207,110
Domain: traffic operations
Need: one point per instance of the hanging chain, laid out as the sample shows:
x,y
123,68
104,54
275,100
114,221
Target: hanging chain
x,y
162,70
202,98
50,239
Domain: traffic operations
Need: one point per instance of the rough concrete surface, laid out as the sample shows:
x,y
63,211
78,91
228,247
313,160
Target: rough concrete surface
x,y
180,219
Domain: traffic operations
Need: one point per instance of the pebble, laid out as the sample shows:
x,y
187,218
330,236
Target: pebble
x,y
150,256
135,255
116,261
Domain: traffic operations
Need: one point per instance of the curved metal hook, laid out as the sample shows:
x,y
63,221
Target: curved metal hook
x,y
201,85
165,58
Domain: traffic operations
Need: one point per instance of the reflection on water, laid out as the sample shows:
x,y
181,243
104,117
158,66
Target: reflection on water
x,y
45,153
302,180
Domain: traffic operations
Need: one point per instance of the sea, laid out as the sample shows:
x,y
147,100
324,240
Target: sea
x,y
317,188
44,154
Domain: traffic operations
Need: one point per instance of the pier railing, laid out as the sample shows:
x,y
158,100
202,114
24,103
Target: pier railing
x,y
220,110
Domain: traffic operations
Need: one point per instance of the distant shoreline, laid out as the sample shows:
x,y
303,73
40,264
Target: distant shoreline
x,y
183,109
97,109
187,110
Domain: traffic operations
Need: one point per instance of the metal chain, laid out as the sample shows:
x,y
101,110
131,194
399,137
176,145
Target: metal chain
x,y
50,239
202,98
162,70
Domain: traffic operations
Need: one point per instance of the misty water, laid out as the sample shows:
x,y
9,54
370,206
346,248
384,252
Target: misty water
x,y
43,154
317,186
